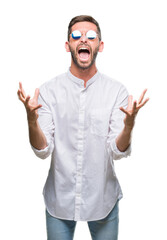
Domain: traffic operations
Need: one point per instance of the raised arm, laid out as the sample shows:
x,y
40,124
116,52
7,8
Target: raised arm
x,y
124,138
36,136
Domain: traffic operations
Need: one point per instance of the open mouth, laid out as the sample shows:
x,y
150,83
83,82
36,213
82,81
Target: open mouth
x,y
84,53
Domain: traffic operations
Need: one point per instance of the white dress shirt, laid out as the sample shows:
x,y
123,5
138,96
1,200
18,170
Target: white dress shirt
x,y
81,125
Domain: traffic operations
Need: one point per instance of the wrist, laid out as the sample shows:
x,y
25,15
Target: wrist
x,y
32,120
128,129
32,124
129,125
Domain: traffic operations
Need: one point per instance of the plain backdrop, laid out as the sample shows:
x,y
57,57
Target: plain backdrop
x,y
32,37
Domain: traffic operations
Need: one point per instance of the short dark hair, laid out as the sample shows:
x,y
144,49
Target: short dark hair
x,y
83,18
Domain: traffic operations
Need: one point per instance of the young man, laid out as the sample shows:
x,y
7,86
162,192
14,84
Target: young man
x,y
83,119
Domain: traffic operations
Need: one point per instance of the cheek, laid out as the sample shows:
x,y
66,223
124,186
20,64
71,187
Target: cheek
x,y
73,48
95,49
94,46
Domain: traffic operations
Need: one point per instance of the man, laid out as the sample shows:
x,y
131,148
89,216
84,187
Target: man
x,y
84,119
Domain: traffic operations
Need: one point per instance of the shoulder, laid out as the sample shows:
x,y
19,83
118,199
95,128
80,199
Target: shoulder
x,y
112,84
51,86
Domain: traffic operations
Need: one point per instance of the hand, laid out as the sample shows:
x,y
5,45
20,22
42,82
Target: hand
x,y
132,110
31,105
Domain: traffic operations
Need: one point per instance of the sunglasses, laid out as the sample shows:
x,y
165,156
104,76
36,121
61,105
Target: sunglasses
x,y
89,35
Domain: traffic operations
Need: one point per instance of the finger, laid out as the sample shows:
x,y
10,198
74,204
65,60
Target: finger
x,y
22,90
124,111
142,96
130,100
36,94
37,107
142,104
20,96
134,106
27,100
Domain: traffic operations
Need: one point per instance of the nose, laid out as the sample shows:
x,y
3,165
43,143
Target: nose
x,y
83,38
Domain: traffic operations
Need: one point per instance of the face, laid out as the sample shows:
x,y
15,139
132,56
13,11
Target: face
x,y
84,50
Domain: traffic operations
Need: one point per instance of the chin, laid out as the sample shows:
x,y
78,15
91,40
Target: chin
x,y
85,65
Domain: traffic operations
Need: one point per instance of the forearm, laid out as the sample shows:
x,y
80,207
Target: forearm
x,y
124,139
36,136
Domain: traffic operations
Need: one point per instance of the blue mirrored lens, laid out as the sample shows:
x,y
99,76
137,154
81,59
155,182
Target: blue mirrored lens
x,y
91,34
76,34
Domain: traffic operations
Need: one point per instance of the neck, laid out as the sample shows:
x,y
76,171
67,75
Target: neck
x,y
84,74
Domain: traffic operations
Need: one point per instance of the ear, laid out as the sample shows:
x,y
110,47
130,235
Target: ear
x,y
101,47
67,47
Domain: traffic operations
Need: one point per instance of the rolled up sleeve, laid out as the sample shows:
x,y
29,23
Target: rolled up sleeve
x,y
43,153
46,124
117,154
116,125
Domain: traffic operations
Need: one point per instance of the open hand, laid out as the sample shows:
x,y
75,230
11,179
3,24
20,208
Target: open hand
x,y
132,109
31,105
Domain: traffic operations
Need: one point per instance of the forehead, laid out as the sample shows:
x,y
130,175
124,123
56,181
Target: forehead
x,y
84,26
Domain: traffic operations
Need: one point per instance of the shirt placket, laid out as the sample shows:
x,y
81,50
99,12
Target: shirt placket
x,y
80,144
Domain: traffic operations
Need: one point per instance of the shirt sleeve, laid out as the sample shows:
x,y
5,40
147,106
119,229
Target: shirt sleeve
x,y
46,124
116,125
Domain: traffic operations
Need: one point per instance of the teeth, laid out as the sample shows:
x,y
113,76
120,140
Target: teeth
x,y
83,49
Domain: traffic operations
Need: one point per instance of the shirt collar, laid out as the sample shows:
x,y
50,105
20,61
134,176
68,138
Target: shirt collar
x,y
79,81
